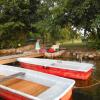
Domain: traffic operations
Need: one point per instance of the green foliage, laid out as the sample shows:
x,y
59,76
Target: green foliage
x,y
84,14
16,17
48,19
68,33
94,44
34,36
50,23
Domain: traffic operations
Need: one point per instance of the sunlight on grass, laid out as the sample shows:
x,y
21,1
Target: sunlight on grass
x,y
73,42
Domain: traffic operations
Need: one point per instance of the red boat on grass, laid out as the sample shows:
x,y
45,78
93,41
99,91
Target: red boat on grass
x,y
67,69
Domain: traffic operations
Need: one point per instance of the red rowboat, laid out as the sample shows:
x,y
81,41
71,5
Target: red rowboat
x,y
61,68
24,84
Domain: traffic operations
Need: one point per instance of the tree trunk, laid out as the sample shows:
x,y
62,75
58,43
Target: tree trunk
x,y
98,33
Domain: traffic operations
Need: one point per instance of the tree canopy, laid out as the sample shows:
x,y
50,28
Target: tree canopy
x,y
80,14
16,17
55,19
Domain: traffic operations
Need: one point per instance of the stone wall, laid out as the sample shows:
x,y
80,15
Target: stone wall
x,y
95,55
16,50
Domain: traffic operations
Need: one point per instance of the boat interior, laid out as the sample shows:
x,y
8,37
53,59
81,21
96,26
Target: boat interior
x,y
25,86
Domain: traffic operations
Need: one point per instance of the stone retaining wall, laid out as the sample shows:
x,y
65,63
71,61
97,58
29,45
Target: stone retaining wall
x,y
78,54
95,55
16,50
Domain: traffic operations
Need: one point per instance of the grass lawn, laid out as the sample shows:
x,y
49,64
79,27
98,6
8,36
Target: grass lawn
x,y
77,45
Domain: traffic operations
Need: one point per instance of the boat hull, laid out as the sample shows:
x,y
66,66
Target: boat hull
x,y
11,96
6,95
58,71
